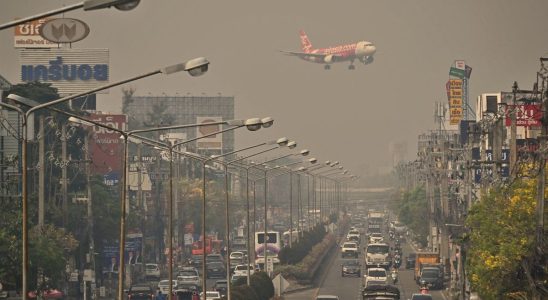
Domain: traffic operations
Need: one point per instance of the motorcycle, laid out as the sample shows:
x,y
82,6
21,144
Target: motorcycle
x,y
423,289
397,261
394,276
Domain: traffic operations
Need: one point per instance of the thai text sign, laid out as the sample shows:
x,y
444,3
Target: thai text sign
x,y
106,146
69,70
526,115
455,94
27,35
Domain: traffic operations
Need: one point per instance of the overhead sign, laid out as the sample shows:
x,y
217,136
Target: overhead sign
x,y
526,115
71,71
27,35
457,73
64,30
210,142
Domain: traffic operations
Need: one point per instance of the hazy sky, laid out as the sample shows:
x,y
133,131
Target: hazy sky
x,y
350,116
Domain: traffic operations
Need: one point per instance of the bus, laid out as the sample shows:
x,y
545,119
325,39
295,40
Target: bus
x,y
273,247
212,246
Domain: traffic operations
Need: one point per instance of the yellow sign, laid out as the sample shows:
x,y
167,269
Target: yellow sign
x,y
455,115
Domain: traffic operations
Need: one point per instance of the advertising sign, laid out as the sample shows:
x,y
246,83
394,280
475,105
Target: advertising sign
x,y
27,35
211,142
455,101
526,115
457,73
64,30
105,146
71,71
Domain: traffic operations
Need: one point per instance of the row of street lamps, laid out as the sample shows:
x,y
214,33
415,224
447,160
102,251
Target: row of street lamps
x,y
194,67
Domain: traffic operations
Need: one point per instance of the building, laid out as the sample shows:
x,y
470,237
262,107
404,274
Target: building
x,y
10,133
152,111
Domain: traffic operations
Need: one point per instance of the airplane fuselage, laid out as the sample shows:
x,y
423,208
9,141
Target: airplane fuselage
x,y
348,52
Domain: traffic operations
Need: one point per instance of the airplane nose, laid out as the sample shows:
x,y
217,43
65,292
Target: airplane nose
x,y
373,49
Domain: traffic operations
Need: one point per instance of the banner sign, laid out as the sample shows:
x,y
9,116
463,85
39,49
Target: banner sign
x,y
526,115
455,94
211,142
457,73
106,147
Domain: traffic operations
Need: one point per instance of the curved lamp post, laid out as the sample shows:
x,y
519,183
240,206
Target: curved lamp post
x,y
87,5
195,67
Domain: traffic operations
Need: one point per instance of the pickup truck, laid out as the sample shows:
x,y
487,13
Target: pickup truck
x,y
349,249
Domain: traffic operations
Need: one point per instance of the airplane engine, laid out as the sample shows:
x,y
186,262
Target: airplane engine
x,y
328,59
367,60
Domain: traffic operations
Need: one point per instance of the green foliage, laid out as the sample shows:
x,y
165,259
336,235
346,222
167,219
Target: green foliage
x,y
302,247
303,271
260,288
48,250
502,227
412,210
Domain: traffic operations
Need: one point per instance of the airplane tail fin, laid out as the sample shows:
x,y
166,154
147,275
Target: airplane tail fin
x,y
305,42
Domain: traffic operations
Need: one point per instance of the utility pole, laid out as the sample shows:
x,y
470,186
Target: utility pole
x,y
64,173
89,208
513,129
140,201
41,173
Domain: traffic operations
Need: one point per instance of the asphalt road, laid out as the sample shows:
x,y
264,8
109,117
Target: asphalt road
x,y
349,288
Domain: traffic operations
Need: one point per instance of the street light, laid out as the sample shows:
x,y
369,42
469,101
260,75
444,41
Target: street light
x,y
87,5
186,66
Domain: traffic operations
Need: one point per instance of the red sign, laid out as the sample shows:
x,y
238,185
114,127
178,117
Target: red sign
x,y
526,115
106,146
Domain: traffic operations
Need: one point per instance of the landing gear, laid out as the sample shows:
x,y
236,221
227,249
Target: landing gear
x,y
327,67
351,67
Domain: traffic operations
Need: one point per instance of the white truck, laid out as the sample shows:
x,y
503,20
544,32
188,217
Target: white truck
x,y
349,249
377,255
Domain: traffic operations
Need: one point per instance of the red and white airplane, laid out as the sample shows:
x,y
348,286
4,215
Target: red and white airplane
x,y
362,51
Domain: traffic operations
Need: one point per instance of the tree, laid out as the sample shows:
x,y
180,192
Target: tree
x,y
412,209
502,227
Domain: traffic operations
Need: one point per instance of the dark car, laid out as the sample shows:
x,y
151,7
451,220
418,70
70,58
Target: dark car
x,y
140,292
421,297
410,261
433,277
216,269
221,287
196,261
351,268
185,291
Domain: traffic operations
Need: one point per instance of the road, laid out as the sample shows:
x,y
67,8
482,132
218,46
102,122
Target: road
x,y
349,288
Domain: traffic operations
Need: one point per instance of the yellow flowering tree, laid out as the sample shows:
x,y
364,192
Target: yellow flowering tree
x,y
502,227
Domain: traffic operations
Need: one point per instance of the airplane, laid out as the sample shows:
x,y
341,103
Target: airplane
x,y
362,51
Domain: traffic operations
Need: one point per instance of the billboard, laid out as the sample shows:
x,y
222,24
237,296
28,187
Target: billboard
x,y
455,94
71,71
106,147
213,142
27,35
526,115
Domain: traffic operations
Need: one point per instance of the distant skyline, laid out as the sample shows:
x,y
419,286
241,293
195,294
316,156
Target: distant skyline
x,y
350,116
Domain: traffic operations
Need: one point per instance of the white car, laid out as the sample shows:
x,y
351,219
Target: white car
x,y
211,295
163,285
376,238
241,270
350,249
237,255
375,276
152,270
189,275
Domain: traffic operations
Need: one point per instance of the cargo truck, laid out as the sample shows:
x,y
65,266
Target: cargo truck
x,y
425,258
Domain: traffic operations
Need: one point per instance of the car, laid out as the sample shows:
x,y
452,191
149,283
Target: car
x,y
237,255
242,270
215,269
421,297
410,261
188,275
349,249
375,237
351,268
140,292
211,295
187,289
433,277
152,271
375,276
214,257
236,278
327,297
234,263
163,286
221,286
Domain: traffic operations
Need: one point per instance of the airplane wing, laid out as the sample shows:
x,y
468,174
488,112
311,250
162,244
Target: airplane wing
x,y
307,55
